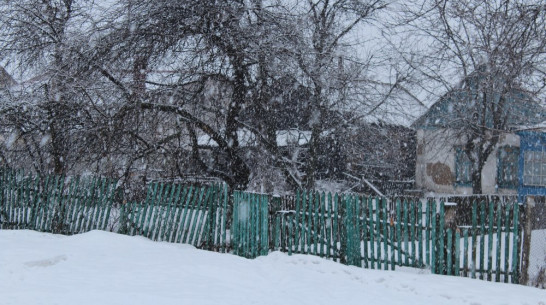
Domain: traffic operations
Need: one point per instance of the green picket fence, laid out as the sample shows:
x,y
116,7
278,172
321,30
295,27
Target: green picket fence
x,y
351,229
488,249
170,212
54,203
381,234
369,232
180,214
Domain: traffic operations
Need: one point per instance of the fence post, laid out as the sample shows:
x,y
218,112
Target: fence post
x,y
515,248
442,239
434,250
372,232
527,225
225,199
474,256
336,229
297,221
342,229
329,226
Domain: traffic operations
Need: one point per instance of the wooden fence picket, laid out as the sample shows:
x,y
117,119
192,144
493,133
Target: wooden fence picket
x,y
442,233
330,247
474,256
507,242
457,252
449,252
181,206
372,231
465,253
385,232
71,204
482,239
498,218
490,242
192,226
420,233
434,246
515,248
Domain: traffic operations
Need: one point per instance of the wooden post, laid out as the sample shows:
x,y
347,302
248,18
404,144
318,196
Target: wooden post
x,y
527,225
329,226
474,258
297,221
406,238
378,230
457,253
399,232
515,248
337,234
322,231
372,233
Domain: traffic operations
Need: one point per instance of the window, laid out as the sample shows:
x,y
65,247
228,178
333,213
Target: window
x,y
507,167
463,168
534,168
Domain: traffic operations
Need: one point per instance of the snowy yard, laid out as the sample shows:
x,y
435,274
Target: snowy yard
x,y
106,268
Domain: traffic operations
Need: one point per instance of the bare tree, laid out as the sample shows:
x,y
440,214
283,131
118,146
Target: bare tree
x,y
497,50
184,87
227,67
44,113
326,69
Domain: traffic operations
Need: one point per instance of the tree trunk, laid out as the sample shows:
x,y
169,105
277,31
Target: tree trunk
x,y
238,168
313,158
477,182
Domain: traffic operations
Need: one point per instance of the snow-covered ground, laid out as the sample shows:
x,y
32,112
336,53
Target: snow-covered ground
x,y
537,257
106,268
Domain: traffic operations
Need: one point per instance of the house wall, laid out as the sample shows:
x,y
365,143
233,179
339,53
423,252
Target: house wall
x,y
435,163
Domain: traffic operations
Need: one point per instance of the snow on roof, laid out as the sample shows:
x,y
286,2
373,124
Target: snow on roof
x,y
244,136
534,127
248,138
454,104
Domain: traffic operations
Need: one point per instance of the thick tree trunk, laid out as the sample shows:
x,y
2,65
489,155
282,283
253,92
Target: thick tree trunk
x,y
313,158
239,169
477,181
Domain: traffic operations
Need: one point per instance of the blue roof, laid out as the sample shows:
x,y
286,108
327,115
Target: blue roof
x,y
456,109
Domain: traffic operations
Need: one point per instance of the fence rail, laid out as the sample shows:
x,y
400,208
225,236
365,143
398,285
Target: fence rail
x,y
369,232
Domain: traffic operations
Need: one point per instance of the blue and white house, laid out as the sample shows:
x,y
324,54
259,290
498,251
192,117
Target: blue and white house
x,y
517,164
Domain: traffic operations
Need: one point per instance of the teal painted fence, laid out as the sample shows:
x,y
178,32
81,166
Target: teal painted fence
x,y
173,213
54,203
378,233
368,232
181,214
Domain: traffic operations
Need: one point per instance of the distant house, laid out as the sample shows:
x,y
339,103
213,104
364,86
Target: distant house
x,y
442,166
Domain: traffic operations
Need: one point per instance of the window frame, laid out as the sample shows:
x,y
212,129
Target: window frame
x,y
536,159
465,166
503,164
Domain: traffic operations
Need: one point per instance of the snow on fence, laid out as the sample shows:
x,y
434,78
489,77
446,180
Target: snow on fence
x,y
369,232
